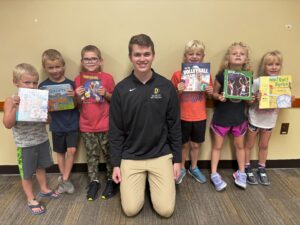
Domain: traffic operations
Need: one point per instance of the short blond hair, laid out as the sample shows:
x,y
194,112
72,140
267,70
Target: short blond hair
x,y
24,68
266,59
52,54
225,62
193,45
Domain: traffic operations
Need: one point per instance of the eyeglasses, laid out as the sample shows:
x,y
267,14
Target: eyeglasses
x,y
90,60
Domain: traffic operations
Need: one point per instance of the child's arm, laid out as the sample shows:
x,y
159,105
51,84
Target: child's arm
x,y
10,110
216,90
103,92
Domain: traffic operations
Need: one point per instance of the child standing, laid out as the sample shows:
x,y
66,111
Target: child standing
x,y
94,121
261,121
64,124
229,117
193,113
33,149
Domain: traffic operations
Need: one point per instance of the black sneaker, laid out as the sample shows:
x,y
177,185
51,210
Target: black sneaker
x,y
251,179
110,189
93,189
262,176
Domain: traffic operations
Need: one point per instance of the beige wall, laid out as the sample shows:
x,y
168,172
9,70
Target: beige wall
x,y
29,27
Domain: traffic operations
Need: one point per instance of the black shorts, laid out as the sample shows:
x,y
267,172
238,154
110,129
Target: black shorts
x,y
194,131
64,140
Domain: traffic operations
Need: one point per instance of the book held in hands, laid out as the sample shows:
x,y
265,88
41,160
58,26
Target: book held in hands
x,y
275,92
195,76
91,84
59,98
33,105
238,84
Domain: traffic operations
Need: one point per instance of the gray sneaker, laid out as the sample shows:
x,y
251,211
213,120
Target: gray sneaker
x,y
218,182
240,179
262,177
181,176
251,179
66,187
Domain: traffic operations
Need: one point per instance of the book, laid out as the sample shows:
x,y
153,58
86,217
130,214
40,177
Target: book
x,y
275,92
195,76
91,84
33,105
238,84
58,97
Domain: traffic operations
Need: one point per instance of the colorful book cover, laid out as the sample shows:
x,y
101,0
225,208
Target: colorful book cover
x,y
33,105
58,97
238,84
91,84
275,92
195,76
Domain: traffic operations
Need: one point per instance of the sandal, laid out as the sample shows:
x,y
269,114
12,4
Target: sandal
x,y
33,208
51,194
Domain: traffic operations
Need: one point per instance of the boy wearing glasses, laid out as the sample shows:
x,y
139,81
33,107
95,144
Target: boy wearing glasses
x,y
93,121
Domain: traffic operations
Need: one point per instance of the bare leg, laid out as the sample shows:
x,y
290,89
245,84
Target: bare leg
x,y
216,152
250,141
195,149
240,152
263,145
185,150
68,163
41,177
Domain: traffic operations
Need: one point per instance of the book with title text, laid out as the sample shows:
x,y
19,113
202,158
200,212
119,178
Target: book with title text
x,y
91,84
58,97
33,105
195,76
275,92
238,84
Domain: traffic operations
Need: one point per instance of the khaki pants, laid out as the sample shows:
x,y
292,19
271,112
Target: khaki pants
x,y
161,180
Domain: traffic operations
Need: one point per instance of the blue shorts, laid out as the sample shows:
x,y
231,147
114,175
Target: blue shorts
x,y
236,131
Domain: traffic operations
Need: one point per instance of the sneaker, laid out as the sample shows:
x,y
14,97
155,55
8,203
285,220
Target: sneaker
x,y
262,177
240,179
217,181
110,189
66,187
251,179
92,192
197,174
181,176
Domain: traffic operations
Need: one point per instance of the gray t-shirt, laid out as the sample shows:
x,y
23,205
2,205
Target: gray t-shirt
x,y
262,118
27,134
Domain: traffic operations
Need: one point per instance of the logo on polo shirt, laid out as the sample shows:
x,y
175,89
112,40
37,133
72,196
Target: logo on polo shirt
x,y
156,94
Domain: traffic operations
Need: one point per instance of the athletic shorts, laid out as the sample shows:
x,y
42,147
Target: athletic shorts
x,y
194,131
64,140
254,128
32,158
236,131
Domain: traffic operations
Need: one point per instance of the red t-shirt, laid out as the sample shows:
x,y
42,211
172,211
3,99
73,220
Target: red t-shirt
x,y
192,104
94,116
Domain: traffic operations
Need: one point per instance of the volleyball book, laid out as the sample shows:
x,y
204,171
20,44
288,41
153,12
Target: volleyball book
x,y
195,76
275,92
238,84
33,105
59,98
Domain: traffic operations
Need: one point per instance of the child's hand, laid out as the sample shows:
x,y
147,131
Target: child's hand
x,y
101,91
293,98
258,96
209,89
71,93
221,97
16,101
180,87
79,91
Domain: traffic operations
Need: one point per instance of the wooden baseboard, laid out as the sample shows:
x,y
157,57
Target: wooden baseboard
x,y
223,164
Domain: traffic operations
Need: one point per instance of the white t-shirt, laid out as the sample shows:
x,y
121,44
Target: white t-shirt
x,y
262,118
